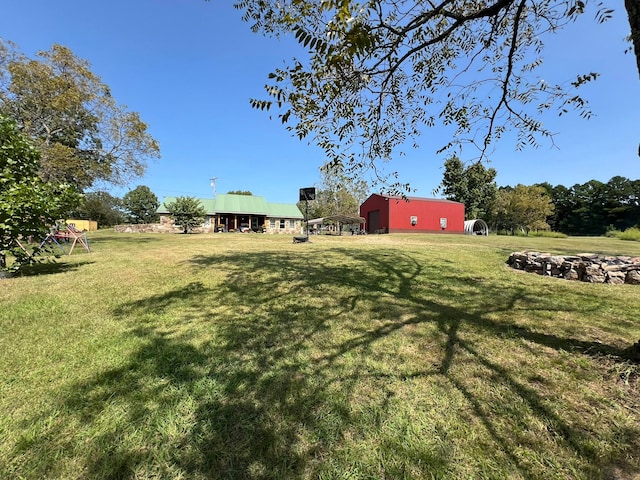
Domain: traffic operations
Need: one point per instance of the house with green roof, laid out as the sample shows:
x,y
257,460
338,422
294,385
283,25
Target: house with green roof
x,y
232,213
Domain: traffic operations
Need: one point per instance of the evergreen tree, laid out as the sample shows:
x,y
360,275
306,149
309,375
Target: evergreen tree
x,y
474,186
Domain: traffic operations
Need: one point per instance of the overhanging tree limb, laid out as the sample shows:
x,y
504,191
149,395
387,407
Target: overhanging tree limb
x,y
378,73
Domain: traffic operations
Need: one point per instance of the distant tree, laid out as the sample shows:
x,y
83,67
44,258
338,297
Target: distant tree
x,y
239,192
337,195
523,207
634,200
593,207
141,205
474,186
590,216
563,219
101,207
83,135
186,212
28,205
622,203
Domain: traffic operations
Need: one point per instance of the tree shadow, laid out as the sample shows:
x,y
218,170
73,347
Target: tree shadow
x,y
120,238
51,267
270,373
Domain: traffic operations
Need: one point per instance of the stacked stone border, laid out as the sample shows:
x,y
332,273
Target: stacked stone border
x,y
147,228
585,267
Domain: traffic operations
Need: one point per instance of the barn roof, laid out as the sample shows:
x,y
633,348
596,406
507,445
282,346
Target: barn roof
x,y
419,199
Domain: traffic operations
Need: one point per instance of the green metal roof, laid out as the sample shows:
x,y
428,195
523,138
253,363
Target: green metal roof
x,y
248,204
284,210
242,204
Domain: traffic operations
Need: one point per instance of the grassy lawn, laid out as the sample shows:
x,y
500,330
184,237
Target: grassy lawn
x,y
248,356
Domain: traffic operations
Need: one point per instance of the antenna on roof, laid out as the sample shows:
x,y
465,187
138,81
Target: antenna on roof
x,y
213,185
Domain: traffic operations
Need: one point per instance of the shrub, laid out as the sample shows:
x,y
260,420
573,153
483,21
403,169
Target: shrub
x,y
632,234
547,234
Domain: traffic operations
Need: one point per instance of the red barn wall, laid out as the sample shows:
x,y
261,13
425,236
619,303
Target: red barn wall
x,y
396,215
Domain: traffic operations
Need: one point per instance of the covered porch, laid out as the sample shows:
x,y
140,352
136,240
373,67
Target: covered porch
x,y
335,224
233,222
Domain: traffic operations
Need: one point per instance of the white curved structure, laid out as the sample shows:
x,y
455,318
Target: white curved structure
x,y
476,227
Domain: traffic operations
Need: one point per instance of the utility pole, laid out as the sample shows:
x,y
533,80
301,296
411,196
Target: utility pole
x,y
213,185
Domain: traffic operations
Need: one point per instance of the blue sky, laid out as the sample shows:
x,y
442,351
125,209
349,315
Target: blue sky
x,y
189,68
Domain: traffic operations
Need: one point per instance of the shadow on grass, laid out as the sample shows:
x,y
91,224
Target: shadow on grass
x,y
291,367
119,238
52,267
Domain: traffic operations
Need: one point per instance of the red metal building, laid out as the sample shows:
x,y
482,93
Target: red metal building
x,y
388,214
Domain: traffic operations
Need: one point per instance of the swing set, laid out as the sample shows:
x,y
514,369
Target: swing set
x,y
58,236
67,234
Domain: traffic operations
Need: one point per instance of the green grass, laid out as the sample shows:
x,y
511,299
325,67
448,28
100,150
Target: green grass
x,y
385,356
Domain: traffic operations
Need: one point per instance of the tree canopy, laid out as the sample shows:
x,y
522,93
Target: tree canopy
x,y
28,205
102,207
378,72
473,185
240,192
186,212
336,195
594,207
84,135
523,207
141,205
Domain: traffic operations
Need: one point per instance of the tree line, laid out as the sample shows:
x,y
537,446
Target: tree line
x,y
594,207
136,206
591,208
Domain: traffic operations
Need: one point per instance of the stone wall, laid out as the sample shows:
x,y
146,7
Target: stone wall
x,y
585,267
164,226
147,228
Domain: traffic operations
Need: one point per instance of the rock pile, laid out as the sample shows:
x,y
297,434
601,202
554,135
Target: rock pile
x,y
585,267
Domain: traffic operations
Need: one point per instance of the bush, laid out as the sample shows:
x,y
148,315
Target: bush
x,y
632,234
532,233
547,234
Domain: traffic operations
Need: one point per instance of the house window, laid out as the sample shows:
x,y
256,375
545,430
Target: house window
x,y
272,223
282,223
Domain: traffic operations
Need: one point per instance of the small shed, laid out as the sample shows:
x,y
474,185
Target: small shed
x,y
392,214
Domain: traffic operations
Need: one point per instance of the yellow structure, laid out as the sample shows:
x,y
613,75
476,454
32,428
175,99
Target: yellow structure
x,y
83,225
